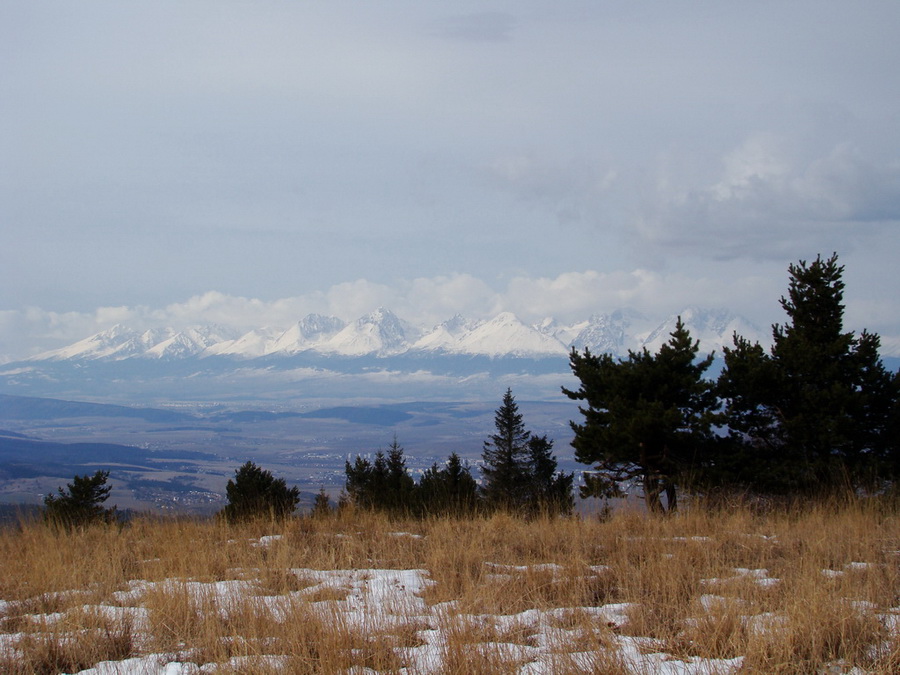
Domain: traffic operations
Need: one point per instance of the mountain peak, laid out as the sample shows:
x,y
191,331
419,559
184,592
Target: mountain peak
x,y
317,326
505,335
308,333
380,332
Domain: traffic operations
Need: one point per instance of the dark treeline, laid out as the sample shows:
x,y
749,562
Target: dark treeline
x,y
518,474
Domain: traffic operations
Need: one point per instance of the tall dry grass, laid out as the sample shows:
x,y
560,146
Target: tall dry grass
x,y
788,591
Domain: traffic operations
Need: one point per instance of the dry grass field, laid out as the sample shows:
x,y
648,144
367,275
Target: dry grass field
x,y
813,590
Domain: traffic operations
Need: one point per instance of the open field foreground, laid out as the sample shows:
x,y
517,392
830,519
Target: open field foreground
x,y
816,591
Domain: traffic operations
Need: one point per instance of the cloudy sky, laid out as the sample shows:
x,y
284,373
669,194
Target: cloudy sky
x,y
248,162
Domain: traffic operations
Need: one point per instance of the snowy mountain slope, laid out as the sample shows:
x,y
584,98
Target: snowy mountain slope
x,y
714,329
614,333
890,346
117,342
311,331
564,333
255,343
190,342
446,335
382,334
505,335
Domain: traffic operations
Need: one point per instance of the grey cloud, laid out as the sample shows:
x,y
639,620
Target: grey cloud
x,y
769,203
573,190
158,150
476,27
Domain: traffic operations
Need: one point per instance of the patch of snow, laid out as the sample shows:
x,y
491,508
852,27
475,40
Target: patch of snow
x,y
544,567
858,566
266,540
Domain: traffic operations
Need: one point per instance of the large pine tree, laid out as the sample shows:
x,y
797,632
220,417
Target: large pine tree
x,y
813,413
399,485
505,459
646,418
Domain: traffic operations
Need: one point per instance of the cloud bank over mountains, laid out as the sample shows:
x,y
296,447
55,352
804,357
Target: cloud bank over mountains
x,y
425,302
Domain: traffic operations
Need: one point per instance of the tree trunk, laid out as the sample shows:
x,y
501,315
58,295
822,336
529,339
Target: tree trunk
x,y
671,497
652,490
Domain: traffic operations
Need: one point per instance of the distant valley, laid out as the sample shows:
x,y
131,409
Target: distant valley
x,y
166,460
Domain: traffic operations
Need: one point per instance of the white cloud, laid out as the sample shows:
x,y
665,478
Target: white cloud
x,y
431,301
214,307
576,295
355,298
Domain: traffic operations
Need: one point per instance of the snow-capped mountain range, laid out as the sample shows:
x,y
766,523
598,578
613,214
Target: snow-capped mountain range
x,y
383,334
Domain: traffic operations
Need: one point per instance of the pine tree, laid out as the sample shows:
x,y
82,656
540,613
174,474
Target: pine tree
x,y
378,481
358,484
448,490
399,485
367,481
505,459
550,491
322,504
255,492
81,502
647,418
814,413
384,484
462,490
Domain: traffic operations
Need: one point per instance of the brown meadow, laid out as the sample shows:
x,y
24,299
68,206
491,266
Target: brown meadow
x,y
807,590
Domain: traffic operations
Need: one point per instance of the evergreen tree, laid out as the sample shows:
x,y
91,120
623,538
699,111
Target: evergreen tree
x,y
367,481
461,488
81,502
399,485
359,482
448,489
322,504
549,491
378,480
384,484
751,456
505,459
813,413
255,492
344,502
647,417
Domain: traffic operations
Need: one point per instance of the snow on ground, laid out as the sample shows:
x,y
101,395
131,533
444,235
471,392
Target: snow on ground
x,y
379,599
384,598
373,600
